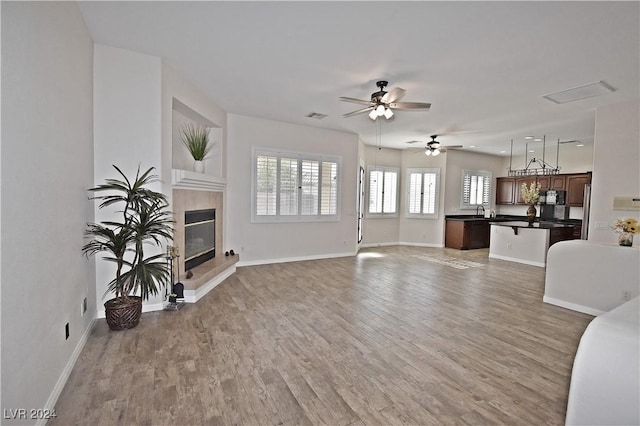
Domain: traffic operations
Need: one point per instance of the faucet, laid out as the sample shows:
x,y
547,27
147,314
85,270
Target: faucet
x,y
478,210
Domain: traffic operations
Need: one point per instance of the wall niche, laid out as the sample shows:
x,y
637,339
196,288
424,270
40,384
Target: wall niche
x,y
181,159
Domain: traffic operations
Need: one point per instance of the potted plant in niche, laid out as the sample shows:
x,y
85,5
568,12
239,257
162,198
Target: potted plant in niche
x,y
196,139
144,219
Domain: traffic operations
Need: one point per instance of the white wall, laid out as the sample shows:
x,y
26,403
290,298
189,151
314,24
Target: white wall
x,y
572,159
427,232
127,131
199,108
377,230
47,165
457,162
616,167
259,243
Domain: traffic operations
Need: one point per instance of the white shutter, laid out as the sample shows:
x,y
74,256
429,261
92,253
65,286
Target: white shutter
x,y
415,192
288,186
329,185
422,193
266,182
390,196
375,191
430,193
294,187
309,186
476,188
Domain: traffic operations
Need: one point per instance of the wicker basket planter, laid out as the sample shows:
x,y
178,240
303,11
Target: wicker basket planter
x,y
121,316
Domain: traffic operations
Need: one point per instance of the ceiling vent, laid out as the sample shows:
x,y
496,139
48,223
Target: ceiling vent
x,y
590,90
316,115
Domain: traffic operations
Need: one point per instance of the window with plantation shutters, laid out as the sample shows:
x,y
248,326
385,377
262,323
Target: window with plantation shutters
x,y
289,187
422,193
476,189
383,191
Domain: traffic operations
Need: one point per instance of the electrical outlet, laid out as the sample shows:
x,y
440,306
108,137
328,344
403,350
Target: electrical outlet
x,y
66,331
509,246
626,295
83,307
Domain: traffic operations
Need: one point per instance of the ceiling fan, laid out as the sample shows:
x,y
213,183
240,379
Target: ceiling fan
x,y
434,147
382,102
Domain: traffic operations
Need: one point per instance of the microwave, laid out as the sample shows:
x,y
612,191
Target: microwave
x,y
555,197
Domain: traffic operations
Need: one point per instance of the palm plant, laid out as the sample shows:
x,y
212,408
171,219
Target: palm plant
x,y
196,139
145,220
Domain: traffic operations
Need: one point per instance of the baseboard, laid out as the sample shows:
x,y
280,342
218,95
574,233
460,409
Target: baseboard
x,y
294,259
414,244
514,259
192,296
572,306
370,245
50,405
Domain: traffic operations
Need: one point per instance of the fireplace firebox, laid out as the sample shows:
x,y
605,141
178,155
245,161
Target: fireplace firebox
x,y
200,237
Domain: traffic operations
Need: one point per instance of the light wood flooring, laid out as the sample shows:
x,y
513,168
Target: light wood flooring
x,y
395,335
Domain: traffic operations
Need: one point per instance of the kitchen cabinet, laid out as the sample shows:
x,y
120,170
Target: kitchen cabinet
x,y
575,188
508,188
467,234
552,182
505,190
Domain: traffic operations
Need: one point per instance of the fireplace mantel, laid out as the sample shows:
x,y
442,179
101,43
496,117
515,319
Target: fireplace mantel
x,y
185,179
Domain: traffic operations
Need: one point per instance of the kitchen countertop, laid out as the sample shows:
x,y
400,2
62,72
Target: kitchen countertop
x,y
467,217
501,219
534,225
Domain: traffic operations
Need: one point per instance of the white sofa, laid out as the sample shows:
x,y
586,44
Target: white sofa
x,y
596,279
605,381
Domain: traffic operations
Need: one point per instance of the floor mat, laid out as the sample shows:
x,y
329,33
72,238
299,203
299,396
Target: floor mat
x,y
451,262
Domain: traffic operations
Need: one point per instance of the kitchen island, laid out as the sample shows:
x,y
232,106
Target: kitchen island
x,y
518,241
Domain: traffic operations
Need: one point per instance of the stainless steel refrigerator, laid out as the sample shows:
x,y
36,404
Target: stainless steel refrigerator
x,y
586,206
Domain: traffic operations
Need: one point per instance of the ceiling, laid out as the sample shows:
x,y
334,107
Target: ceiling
x,y
484,66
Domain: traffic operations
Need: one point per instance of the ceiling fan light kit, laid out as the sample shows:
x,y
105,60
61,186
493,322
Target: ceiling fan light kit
x,y
434,148
382,103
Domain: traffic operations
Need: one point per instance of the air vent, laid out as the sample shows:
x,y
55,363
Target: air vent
x,y
590,90
316,115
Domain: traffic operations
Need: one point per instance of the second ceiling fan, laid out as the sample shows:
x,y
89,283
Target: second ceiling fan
x,y
382,102
434,148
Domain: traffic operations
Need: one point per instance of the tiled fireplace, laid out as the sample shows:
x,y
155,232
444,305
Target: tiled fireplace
x,y
209,273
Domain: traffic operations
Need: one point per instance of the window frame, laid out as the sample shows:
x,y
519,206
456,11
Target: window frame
x,y
300,157
465,204
384,170
422,171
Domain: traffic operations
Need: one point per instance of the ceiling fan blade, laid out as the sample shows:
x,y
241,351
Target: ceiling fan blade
x,y
410,105
355,101
414,142
451,146
393,95
360,111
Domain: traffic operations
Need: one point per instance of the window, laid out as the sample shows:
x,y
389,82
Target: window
x,y
423,191
383,191
476,189
289,187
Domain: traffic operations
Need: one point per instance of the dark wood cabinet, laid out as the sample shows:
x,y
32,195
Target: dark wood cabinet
x,y
508,188
561,234
505,188
575,188
467,234
554,182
